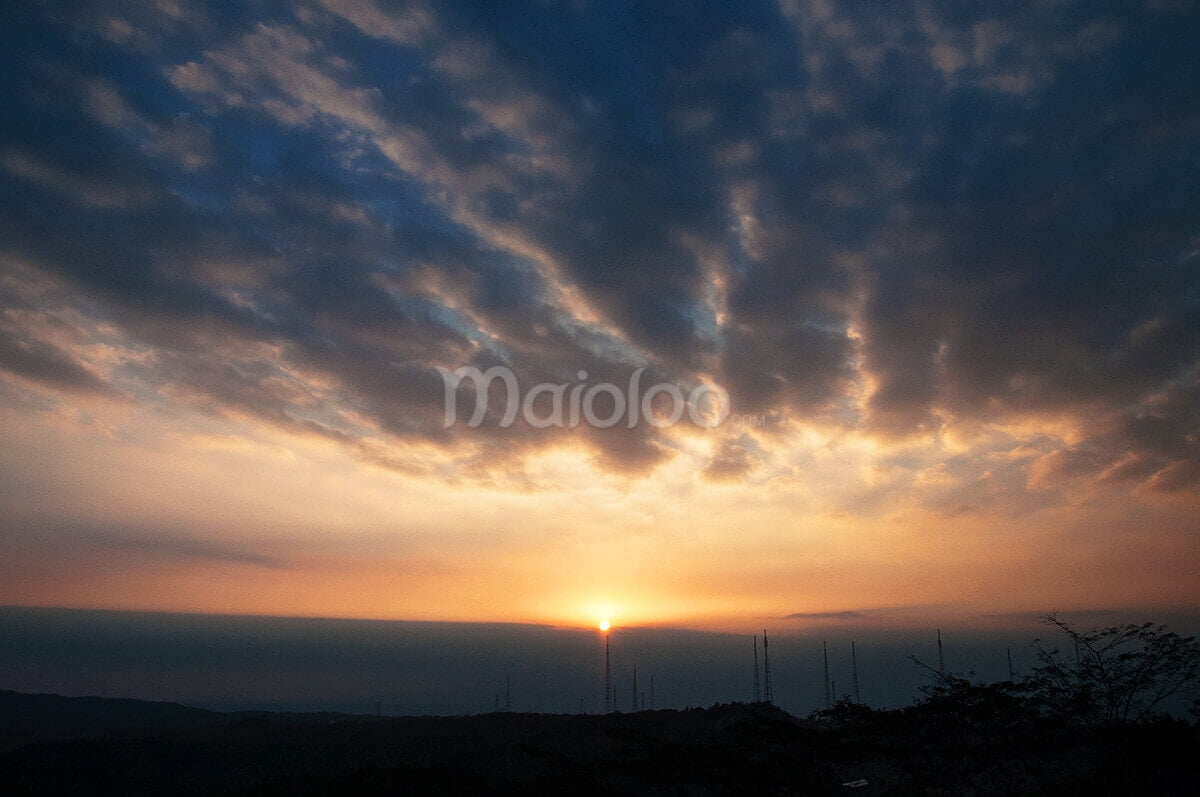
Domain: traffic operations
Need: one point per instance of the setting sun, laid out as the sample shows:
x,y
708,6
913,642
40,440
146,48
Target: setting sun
x,y
605,625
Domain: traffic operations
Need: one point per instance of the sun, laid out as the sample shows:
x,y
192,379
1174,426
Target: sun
x,y
605,624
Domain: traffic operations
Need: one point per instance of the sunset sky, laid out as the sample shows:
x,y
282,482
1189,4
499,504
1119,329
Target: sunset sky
x,y
944,258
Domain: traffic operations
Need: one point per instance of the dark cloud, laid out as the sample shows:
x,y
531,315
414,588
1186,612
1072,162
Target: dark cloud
x,y
184,548
1180,475
844,615
104,541
881,219
732,461
42,362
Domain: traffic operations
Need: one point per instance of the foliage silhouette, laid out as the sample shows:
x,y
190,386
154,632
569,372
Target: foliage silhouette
x,y
1118,674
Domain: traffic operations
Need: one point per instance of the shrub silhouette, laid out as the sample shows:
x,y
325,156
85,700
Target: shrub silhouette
x,y
1119,674
1077,721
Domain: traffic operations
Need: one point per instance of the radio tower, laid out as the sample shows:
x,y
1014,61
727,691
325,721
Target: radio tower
x,y
854,670
607,679
828,690
767,696
635,689
1012,676
757,691
941,661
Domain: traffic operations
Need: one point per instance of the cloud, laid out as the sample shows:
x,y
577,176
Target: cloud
x,y
843,615
732,461
1177,476
185,548
891,224
42,362
86,185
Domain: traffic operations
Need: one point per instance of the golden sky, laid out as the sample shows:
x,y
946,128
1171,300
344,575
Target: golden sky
x,y
946,269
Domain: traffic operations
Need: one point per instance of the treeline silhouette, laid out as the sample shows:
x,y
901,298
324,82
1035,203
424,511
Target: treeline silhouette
x,y
1090,716
1104,711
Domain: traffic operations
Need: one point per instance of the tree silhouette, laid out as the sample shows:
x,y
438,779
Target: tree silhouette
x,y
1118,674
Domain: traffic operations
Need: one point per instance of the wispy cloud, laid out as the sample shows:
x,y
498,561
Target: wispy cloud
x,y
172,546
843,615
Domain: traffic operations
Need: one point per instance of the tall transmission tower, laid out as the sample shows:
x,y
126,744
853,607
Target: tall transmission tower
x,y
607,679
651,691
941,661
635,689
757,690
1012,676
768,697
854,670
828,689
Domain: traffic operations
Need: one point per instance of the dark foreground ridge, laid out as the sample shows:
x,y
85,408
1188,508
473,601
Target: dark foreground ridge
x,y
726,749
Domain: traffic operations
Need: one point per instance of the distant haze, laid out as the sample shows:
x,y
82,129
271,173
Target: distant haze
x,y
451,668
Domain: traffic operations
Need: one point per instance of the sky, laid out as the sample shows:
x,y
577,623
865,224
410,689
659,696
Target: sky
x,y
935,266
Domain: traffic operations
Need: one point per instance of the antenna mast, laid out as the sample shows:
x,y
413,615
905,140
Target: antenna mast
x,y
767,695
757,690
941,661
607,679
828,689
854,670
635,689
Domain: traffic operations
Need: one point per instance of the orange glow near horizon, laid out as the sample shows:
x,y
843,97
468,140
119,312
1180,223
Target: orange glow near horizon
x,y
280,524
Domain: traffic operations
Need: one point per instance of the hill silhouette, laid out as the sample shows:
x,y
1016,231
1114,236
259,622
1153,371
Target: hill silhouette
x,y
28,718
197,751
979,741
25,718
